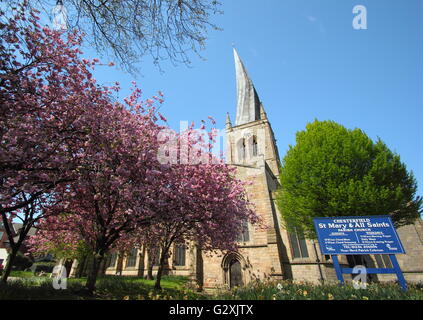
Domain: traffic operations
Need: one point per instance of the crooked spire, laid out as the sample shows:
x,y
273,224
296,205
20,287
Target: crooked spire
x,y
248,103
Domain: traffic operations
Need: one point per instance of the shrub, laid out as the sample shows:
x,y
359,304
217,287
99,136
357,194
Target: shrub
x,y
21,262
287,290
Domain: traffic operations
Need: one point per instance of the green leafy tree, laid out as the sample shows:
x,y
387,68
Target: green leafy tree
x,y
334,171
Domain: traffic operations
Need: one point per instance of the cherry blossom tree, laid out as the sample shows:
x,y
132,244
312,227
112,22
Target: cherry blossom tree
x,y
109,198
202,203
91,169
65,144
46,93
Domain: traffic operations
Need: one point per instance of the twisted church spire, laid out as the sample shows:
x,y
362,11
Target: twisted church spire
x,y
248,102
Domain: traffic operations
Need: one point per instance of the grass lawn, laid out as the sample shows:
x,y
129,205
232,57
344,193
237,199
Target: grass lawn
x,y
24,274
175,288
29,287
172,282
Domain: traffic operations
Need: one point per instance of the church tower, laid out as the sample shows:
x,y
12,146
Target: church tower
x,y
251,148
251,125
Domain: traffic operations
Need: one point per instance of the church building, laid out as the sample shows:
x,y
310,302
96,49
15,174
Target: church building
x,y
270,252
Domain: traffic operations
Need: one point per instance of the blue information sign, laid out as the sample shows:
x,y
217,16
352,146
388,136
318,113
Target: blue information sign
x,y
357,235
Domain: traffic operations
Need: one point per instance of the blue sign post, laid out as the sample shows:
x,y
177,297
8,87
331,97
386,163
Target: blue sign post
x,y
360,235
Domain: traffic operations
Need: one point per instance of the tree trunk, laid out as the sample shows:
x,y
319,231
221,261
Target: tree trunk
x,y
199,269
119,263
93,273
150,265
141,266
81,267
163,255
9,264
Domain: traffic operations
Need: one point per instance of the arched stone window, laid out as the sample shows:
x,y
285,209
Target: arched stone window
x,y
298,244
241,148
244,236
111,260
132,258
179,255
254,147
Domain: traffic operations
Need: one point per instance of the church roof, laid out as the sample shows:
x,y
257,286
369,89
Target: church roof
x,y
248,102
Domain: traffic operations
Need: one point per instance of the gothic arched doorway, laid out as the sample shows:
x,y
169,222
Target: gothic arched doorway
x,y
233,265
235,274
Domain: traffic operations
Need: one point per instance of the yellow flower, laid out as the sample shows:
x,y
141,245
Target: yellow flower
x,y
330,296
305,292
365,298
126,298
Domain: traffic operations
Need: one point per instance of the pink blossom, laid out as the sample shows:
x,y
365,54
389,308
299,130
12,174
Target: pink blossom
x,y
162,117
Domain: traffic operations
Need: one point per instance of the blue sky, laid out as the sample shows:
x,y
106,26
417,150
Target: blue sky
x,y
306,62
